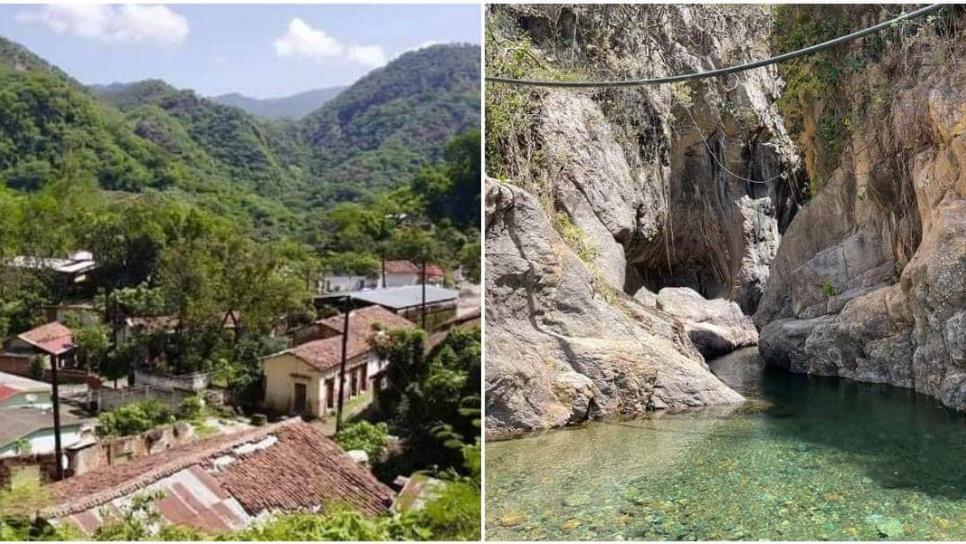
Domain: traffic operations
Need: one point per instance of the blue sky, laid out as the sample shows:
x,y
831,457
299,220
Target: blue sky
x,y
257,50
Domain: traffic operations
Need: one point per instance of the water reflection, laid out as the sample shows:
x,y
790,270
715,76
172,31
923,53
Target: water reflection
x,y
804,458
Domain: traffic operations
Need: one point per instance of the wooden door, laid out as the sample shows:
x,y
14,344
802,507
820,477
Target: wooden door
x,y
330,393
301,398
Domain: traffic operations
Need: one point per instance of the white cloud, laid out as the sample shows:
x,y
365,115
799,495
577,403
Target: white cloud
x,y
129,23
368,55
301,40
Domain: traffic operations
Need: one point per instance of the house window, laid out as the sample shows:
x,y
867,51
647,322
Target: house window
x,y
354,381
363,377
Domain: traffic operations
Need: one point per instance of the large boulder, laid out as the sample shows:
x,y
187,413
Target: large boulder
x,y
562,346
716,326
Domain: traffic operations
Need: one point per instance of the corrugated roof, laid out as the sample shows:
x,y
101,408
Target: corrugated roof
x,y
405,296
18,422
52,338
20,383
226,481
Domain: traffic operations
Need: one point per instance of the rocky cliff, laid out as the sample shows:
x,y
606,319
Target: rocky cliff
x,y
562,346
824,196
619,192
869,282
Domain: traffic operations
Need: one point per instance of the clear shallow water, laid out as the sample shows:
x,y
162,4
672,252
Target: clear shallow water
x,y
804,459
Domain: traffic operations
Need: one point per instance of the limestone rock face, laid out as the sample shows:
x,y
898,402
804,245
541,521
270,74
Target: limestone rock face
x,y
870,280
561,345
670,186
715,326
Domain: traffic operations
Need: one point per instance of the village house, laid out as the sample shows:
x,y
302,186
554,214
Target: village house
x,y
28,430
305,379
51,342
337,283
401,273
407,301
20,391
226,482
71,274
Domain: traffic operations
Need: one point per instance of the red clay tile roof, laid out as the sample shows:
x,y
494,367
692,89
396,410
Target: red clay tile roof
x,y
301,470
52,338
326,353
401,267
408,267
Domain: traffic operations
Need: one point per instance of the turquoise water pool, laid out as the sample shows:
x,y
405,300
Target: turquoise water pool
x,y
804,458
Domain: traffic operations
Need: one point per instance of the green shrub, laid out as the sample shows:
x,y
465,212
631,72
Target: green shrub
x,y
192,408
365,436
575,238
36,370
134,418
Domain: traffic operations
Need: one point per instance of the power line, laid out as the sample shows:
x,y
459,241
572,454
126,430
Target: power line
x,y
721,71
721,164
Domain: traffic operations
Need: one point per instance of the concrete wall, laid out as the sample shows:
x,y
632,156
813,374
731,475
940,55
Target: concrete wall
x,y
281,374
186,382
120,450
108,399
398,280
284,371
330,284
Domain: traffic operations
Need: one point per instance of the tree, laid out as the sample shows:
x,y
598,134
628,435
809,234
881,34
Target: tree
x,y
432,401
471,261
92,346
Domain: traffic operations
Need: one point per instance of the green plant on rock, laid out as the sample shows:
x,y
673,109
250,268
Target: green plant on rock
x,y
682,94
828,289
574,237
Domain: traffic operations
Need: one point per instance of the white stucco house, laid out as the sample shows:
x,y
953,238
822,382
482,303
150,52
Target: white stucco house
x,y
304,379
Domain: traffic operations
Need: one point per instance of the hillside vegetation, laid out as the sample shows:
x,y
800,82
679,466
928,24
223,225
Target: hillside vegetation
x,y
273,176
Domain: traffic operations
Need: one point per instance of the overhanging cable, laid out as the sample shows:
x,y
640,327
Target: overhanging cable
x,y
721,71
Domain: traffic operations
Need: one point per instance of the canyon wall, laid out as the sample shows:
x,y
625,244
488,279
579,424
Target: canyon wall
x,y
824,196
869,282
608,196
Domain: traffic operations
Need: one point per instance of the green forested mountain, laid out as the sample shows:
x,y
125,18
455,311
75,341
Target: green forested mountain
x,y
289,107
376,135
234,140
385,125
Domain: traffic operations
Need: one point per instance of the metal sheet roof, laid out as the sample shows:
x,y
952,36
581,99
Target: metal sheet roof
x,y
405,296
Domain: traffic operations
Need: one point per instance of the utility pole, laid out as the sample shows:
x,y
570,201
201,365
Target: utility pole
x,y
345,342
383,270
58,449
423,309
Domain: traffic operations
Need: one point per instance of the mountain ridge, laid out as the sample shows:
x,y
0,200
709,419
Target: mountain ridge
x,y
292,107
